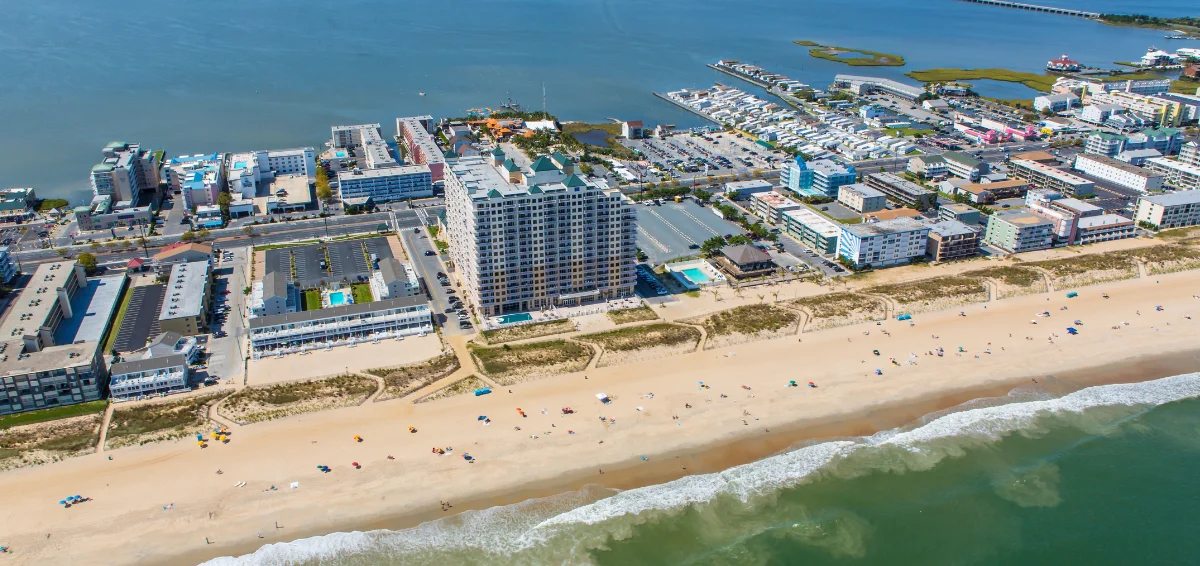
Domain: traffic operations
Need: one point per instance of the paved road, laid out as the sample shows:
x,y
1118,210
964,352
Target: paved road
x,y
417,242
227,355
265,234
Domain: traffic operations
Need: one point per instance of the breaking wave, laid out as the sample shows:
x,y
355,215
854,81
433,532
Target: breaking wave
x,y
566,528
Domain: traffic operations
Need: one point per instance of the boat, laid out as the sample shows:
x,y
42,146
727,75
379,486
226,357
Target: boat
x,y
422,93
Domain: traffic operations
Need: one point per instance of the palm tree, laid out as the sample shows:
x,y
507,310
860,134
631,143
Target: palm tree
x,y
776,294
737,292
762,298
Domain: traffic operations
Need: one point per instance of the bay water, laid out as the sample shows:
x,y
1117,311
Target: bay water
x,y
230,75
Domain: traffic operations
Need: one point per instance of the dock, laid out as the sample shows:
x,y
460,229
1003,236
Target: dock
x,y
743,76
686,107
1040,8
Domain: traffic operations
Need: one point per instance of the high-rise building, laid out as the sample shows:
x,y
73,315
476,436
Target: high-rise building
x,y
198,178
537,237
125,170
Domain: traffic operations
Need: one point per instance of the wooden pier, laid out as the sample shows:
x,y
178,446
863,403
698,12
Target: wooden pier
x,y
1039,8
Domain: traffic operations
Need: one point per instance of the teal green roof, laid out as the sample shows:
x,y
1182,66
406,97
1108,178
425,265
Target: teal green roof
x,y
535,190
102,167
449,153
1160,132
497,152
115,145
559,157
575,181
510,166
1108,136
494,193
84,209
543,164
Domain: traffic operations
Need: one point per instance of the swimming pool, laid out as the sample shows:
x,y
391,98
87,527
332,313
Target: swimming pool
x,y
340,154
511,318
337,299
696,275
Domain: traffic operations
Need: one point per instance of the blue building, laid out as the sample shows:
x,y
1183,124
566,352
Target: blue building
x,y
821,178
796,176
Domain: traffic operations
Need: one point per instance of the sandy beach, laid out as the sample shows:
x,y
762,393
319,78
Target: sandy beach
x,y
726,424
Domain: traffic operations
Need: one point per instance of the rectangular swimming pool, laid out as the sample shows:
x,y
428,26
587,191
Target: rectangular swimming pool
x,y
519,317
696,274
337,299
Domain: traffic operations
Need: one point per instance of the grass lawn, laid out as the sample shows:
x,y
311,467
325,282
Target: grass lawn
x,y
312,299
638,314
867,58
362,293
52,414
584,127
461,387
905,132
646,336
504,361
400,381
1184,86
111,337
1127,77
254,404
750,319
137,424
1021,103
1036,81
531,330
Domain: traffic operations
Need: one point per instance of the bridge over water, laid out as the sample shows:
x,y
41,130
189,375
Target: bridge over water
x,y
1039,8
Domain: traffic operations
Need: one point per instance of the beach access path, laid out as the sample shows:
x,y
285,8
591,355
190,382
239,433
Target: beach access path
x,y
130,490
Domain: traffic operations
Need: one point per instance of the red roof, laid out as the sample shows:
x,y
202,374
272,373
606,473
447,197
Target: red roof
x,y
173,246
136,262
1063,61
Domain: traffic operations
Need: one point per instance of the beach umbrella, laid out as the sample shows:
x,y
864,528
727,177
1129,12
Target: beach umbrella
x,y
63,502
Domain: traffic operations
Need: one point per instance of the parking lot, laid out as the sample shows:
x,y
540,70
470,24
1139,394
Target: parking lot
x,y
673,230
721,153
346,261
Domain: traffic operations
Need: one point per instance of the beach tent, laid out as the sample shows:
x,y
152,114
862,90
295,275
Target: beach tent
x,y
603,397
483,391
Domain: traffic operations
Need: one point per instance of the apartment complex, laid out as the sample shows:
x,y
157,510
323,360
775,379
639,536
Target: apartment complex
x,y
50,338
902,190
394,279
950,240
1189,153
883,244
387,185
351,137
1104,143
103,214
8,270
185,303
960,212
125,170
1017,232
539,237
771,205
965,166
928,166
198,178
414,133
1043,176
161,368
811,229
1104,228
1163,112
861,198
1119,172
1055,102
742,190
273,295
338,325
247,170
1173,210
1180,175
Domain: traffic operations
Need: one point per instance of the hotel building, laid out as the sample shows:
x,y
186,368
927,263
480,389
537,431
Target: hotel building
x,y
1017,232
414,133
1173,210
16,204
861,198
1183,176
387,185
50,338
161,368
902,190
124,171
1046,177
198,178
820,177
883,244
246,170
771,205
185,302
539,237
964,166
950,240
340,325
1119,172
812,230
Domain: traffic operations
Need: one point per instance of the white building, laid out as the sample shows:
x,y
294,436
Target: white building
x,y
744,189
1173,210
247,169
1180,175
337,326
8,270
393,279
161,368
1043,176
1190,154
1055,102
353,136
771,205
883,244
537,238
387,185
1104,228
1118,172
273,296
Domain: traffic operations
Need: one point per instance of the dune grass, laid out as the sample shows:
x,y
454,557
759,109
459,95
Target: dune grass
x,y
510,364
638,314
401,381
644,336
749,319
461,387
152,422
1036,81
527,331
255,404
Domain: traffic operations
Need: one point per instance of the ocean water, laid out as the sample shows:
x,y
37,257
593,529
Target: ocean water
x,y
1103,475
225,75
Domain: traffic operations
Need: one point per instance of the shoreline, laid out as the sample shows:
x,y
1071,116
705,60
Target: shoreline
x,y
715,458
515,466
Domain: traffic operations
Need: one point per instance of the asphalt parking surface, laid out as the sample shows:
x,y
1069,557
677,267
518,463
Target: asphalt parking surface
x,y
666,232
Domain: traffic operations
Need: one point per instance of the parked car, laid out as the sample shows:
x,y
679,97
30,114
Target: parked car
x,y
450,310
430,252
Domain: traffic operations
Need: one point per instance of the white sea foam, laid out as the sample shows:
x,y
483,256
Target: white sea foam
x,y
556,524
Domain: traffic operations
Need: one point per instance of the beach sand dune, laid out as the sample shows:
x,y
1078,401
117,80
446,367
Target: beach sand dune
x,y
127,522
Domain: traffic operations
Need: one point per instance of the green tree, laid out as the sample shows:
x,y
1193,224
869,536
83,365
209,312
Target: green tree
x,y
88,261
188,236
94,245
223,201
711,246
203,234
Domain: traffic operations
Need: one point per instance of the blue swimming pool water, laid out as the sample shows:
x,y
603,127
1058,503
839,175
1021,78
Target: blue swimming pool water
x,y
340,154
696,275
519,317
337,299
